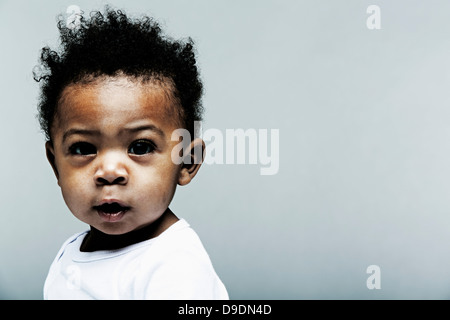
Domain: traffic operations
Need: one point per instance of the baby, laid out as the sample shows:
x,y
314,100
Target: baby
x,y
111,103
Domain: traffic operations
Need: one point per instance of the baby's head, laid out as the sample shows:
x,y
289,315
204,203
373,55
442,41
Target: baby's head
x,y
110,101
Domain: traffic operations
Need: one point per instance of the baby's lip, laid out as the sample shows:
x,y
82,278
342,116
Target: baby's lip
x,y
111,204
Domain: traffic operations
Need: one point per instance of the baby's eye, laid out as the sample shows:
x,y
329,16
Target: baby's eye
x,y
82,149
141,147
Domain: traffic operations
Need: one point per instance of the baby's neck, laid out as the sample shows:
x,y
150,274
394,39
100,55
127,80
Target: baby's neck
x,y
96,240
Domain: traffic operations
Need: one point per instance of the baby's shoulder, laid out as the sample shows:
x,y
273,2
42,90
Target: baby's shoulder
x,y
176,262
179,239
178,247
71,240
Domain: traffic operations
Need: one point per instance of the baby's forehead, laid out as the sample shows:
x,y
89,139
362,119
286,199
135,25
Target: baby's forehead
x,y
149,88
114,95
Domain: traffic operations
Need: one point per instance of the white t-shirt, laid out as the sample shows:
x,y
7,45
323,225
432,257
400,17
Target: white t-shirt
x,y
173,265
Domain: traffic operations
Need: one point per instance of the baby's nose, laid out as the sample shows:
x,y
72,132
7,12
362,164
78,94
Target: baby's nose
x,y
112,170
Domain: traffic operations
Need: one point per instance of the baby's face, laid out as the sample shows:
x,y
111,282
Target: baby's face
x,y
111,142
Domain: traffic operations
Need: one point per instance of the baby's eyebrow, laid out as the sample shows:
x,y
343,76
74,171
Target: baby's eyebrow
x,y
88,132
145,127
79,131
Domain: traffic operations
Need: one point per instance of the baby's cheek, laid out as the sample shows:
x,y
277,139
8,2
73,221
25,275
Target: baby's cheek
x,y
156,193
74,190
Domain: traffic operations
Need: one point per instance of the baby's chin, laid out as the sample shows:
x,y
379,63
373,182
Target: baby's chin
x,y
114,229
110,228
115,221
135,230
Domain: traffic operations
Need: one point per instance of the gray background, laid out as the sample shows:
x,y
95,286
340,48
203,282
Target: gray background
x,y
364,124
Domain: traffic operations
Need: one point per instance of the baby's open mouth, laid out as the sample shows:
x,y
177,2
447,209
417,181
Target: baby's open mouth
x,y
111,208
111,212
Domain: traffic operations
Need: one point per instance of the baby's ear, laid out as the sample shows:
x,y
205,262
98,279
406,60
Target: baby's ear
x,y
50,152
192,161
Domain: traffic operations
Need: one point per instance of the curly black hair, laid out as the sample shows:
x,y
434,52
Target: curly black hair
x,y
109,44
